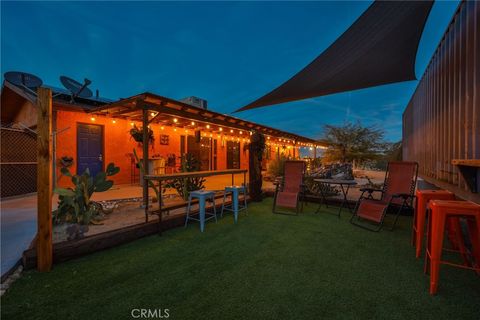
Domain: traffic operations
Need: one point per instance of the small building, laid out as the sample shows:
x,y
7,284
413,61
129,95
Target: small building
x,y
92,132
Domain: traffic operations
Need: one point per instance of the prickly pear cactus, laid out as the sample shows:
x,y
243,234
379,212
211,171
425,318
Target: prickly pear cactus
x,y
74,203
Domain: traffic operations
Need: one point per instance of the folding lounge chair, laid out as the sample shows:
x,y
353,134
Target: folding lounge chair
x,y
290,190
397,193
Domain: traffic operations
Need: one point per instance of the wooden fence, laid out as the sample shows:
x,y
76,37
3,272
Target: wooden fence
x,y
442,119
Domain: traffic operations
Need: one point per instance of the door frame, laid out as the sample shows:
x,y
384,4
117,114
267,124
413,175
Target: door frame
x,y
103,143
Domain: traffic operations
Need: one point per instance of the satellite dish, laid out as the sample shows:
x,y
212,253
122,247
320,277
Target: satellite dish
x,y
23,79
76,88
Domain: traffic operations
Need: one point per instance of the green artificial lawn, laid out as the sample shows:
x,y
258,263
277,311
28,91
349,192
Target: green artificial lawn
x,y
311,266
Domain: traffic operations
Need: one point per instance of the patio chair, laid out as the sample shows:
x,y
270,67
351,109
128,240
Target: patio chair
x,y
290,190
397,194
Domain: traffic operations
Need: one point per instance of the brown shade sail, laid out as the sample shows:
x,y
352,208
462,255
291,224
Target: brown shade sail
x,y
379,48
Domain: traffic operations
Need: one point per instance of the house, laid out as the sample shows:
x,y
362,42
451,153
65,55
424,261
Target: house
x,y
92,132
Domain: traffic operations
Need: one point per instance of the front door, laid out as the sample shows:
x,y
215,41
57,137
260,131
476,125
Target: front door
x,y
89,148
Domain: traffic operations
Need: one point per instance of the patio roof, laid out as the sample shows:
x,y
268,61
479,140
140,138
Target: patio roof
x,y
379,48
166,110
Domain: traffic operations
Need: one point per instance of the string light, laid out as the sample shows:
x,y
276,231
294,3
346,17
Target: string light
x,y
114,121
92,118
162,127
241,132
208,126
152,114
221,129
231,131
174,129
132,124
175,120
193,123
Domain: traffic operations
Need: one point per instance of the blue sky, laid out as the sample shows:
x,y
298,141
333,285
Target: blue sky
x,y
229,53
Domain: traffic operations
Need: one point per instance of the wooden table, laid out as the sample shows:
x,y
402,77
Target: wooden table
x,y
470,171
184,175
342,184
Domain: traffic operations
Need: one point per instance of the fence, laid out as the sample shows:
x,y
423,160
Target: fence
x,y
18,166
442,119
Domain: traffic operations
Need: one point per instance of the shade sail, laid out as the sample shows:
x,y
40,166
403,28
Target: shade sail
x,y
379,48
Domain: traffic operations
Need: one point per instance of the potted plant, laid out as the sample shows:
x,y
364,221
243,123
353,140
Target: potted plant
x,y
137,134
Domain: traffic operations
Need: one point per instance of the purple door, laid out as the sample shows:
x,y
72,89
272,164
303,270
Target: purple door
x,y
89,148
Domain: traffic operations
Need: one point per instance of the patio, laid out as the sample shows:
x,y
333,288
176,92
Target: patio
x,y
265,267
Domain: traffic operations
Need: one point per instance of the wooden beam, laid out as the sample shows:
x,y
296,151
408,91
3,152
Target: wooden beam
x,y
145,156
44,180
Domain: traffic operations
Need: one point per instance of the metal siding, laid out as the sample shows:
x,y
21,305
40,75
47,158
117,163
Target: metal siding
x,y
442,119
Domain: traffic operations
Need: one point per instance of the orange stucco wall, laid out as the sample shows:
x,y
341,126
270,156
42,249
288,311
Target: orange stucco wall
x,y
118,144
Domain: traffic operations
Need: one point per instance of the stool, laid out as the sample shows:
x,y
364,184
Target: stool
x,y
423,197
234,207
441,210
203,196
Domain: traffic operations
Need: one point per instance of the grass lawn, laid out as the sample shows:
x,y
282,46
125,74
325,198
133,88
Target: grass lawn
x,y
267,266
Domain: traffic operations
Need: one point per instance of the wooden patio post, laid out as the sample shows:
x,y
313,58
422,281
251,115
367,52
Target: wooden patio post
x,y
44,180
145,156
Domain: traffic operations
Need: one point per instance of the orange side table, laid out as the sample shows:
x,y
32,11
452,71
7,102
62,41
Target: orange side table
x,y
419,217
441,210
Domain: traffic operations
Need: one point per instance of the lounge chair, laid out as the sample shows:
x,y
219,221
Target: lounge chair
x,y
397,194
290,190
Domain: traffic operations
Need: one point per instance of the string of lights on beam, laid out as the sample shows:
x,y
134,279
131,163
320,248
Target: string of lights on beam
x,y
228,134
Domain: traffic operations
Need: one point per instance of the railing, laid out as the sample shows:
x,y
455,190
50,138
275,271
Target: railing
x,y
184,175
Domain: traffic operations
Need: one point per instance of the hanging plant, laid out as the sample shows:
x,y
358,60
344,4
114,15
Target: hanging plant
x,y
137,134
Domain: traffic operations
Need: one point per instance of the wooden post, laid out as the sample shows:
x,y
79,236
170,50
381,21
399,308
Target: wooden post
x,y
44,180
145,156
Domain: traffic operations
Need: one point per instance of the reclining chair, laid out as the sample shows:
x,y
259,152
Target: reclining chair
x,y
290,190
397,193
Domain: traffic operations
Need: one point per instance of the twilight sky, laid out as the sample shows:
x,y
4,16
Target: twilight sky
x,y
229,53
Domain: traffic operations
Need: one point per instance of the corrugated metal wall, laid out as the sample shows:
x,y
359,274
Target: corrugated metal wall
x,y
442,120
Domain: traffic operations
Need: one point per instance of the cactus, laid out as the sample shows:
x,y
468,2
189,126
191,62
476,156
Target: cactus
x,y
74,203
186,185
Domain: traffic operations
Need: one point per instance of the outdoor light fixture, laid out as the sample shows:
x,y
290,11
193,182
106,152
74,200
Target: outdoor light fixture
x,y
208,126
241,132
175,120
174,129
268,138
221,129
92,118
152,114
114,121
193,123
162,127
132,124
231,131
